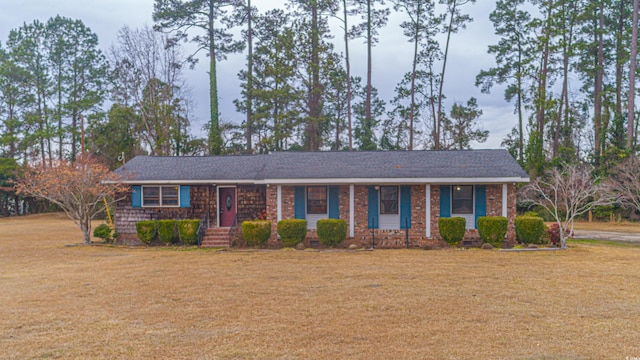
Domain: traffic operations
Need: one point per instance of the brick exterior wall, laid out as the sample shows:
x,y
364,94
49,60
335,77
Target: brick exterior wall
x,y
252,200
393,238
494,208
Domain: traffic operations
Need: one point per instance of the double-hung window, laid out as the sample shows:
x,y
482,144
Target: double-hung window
x,y
316,200
462,203
317,205
388,200
462,199
157,196
389,218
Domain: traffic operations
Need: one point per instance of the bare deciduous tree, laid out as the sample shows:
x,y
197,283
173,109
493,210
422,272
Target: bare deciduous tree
x,y
566,193
625,182
78,188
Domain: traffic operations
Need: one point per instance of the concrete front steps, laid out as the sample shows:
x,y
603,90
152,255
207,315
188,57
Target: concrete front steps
x,y
217,237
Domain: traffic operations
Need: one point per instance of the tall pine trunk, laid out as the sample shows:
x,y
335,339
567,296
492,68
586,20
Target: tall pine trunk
x,y
438,124
619,58
416,39
597,89
519,105
215,138
348,68
367,114
632,79
313,137
249,77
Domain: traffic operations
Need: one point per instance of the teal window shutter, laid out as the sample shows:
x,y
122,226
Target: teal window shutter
x,y
185,196
481,202
136,196
299,209
373,208
334,202
405,207
445,201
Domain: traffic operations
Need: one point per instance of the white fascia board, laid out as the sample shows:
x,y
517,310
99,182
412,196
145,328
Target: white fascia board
x,y
184,182
378,181
345,181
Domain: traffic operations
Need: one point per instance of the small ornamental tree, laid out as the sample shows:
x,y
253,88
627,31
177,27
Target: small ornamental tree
x,y
78,188
625,182
566,193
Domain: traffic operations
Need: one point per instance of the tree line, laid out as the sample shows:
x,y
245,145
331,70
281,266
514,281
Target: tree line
x,y
568,67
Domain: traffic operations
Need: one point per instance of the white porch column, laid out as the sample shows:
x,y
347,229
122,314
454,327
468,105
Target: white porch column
x,y
428,209
279,201
352,201
504,200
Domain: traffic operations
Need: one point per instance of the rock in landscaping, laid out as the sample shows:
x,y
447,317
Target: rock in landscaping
x,y
487,246
353,247
300,246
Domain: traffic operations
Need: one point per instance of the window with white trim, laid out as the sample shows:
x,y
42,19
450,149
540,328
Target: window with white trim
x,y
317,200
462,199
158,196
389,200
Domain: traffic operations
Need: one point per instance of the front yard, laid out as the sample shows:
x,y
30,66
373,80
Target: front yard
x,y
60,301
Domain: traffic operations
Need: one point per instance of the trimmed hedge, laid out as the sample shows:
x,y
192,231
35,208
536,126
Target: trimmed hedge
x,y
452,229
331,232
102,231
492,229
292,231
256,232
167,231
188,231
530,230
146,230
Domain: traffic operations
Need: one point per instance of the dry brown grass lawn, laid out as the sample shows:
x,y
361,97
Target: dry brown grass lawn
x,y
623,226
103,302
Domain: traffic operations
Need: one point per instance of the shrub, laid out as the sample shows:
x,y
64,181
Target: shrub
x,y
102,231
531,214
492,229
256,232
146,230
553,233
529,230
452,229
167,231
292,231
331,232
188,231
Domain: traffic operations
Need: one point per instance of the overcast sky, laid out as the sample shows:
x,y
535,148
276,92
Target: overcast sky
x,y
392,56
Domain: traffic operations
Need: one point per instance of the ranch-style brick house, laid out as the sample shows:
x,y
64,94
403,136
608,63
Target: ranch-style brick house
x,y
393,198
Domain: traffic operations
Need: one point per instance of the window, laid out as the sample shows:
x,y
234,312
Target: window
x,y
160,196
388,200
151,196
170,196
462,199
317,200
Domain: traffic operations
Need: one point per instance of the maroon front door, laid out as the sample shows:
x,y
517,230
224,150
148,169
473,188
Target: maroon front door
x,y
227,202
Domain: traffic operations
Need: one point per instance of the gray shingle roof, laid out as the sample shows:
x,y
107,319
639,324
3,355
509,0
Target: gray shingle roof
x,y
467,164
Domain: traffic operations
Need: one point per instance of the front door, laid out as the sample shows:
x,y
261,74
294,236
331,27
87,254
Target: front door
x,y
227,202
